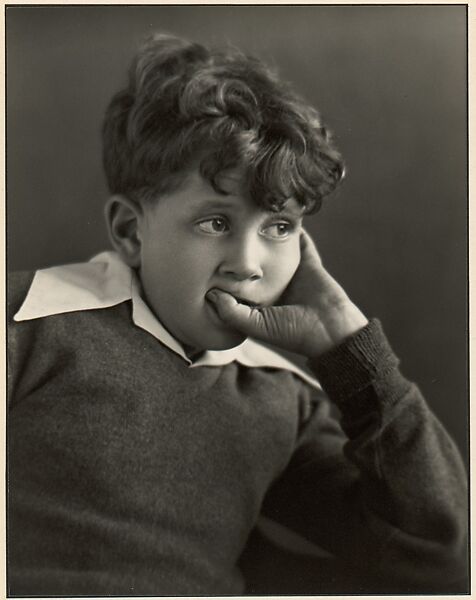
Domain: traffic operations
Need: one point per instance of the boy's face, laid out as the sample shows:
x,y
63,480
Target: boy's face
x,y
195,239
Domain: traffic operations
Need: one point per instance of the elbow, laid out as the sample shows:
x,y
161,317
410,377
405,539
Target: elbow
x,y
451,565
449,550
433,564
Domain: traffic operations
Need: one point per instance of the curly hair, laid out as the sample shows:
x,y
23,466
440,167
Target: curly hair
x,y
187,106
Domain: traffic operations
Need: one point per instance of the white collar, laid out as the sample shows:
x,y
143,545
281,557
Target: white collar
x,y
105,281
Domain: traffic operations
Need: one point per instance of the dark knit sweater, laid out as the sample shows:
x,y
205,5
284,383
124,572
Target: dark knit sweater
x,y
131,474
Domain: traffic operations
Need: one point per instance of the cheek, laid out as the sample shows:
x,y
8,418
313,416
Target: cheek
x,y
194,265
282,267
179,269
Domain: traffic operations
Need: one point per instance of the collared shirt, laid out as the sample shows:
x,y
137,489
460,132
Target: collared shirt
x,y
106,281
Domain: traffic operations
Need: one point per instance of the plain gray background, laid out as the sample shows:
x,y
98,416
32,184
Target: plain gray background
x,y
390,82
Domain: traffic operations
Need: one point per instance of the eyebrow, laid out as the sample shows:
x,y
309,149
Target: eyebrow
x,y
227,201
286,212
233,202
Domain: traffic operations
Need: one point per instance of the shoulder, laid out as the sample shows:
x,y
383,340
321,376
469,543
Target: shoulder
x,y
257,355
287,379
102,282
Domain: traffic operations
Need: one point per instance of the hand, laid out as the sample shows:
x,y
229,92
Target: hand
x,y
314,314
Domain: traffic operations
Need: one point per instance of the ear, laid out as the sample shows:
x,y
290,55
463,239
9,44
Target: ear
x,y
123,218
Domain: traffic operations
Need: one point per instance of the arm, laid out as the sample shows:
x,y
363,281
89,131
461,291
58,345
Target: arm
x,y
389,496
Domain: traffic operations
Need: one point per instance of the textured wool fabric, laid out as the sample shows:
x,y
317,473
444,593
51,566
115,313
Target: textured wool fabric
x,y
131,474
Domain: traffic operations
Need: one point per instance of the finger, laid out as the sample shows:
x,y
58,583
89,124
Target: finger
x,y
240,316
310,259
309,252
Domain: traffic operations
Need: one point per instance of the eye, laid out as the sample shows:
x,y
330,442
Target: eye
x,y
214,226
279,230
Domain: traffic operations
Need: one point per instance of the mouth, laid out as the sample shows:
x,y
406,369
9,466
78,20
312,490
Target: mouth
x,y
222,326
247,302
241,300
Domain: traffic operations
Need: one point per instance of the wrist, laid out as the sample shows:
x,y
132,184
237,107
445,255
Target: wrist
x,y
366,358
334,331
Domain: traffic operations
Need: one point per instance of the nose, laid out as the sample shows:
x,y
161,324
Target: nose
x,y
243,258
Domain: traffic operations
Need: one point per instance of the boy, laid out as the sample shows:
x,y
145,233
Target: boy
x,y
148,428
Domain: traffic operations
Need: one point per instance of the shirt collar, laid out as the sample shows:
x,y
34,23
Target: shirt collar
x,y
106,281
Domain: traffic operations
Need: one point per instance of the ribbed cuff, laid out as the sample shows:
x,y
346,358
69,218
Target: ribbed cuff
x,y
365,359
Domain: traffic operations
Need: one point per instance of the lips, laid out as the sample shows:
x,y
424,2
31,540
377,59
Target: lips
x,y
247,302
241,299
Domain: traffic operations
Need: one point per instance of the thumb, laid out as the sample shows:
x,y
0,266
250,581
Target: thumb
x,y
239,316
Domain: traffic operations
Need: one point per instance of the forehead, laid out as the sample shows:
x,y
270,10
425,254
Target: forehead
x,y
197,192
